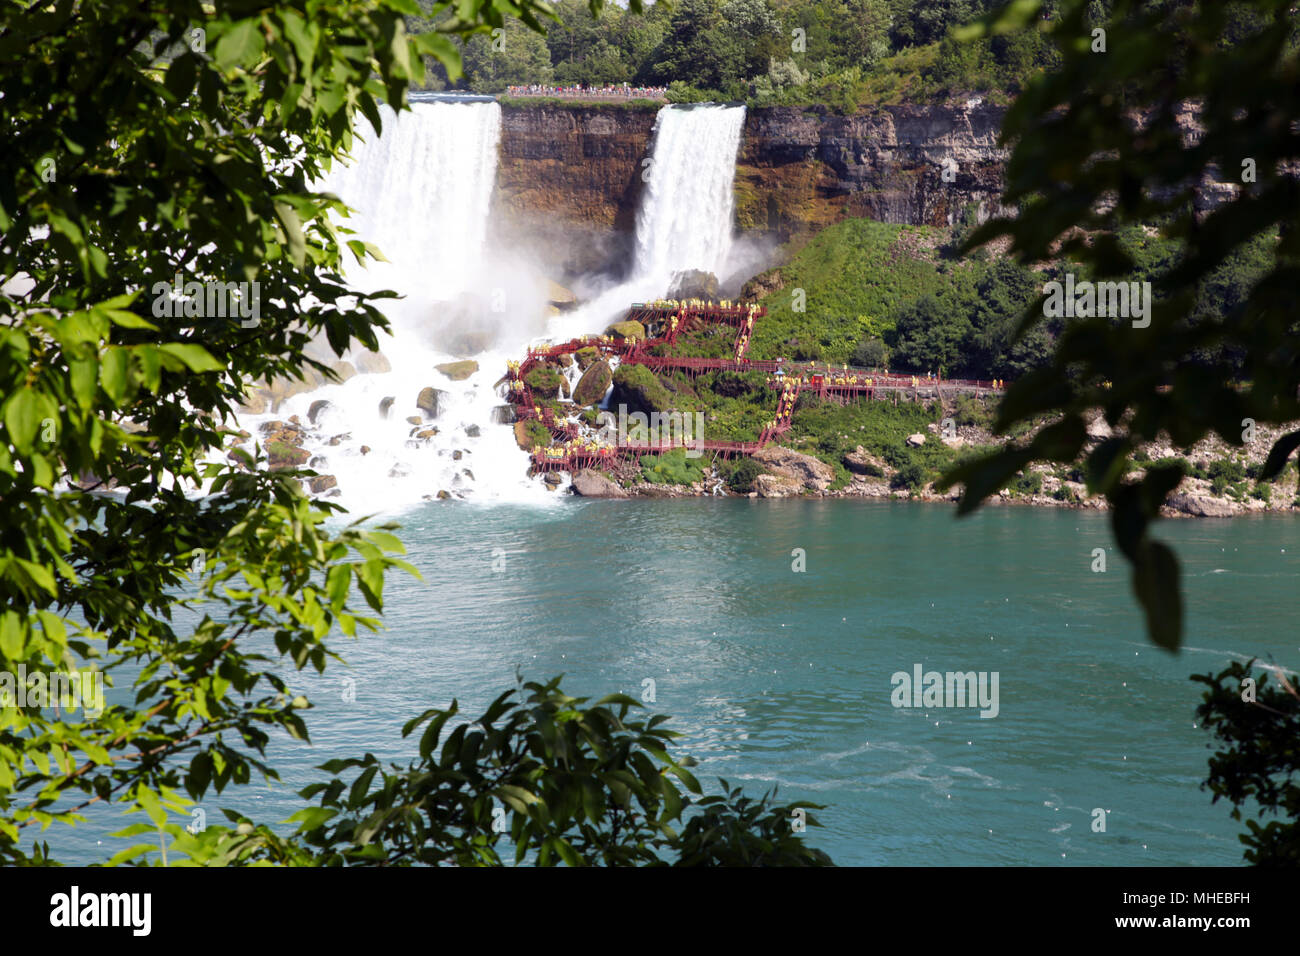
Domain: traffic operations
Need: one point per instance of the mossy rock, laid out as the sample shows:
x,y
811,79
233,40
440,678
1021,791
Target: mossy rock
x,y
594,383
640,390
587,357
532,434
458,371
280,456
631,330
544,380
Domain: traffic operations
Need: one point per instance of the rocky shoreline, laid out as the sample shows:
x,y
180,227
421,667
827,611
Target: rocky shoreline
x,y
792,474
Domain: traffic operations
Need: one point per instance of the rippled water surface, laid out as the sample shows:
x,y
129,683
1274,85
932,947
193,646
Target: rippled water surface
x,y
783,679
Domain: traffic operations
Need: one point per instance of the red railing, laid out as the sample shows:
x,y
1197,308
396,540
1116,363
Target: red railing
x,y
794,378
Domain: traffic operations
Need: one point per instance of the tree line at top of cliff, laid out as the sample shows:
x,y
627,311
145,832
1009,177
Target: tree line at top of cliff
x,y
763,51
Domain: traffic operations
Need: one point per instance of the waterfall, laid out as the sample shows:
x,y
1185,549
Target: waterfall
x,y
422,192
685,217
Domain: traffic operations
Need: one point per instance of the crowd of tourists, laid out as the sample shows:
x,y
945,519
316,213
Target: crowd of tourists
x,y
579,90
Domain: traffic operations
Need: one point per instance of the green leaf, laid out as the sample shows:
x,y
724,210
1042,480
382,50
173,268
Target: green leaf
x,y
293,236
195,357
24,413
1278,455
442,49
115,373
241,45
13,636
1155,579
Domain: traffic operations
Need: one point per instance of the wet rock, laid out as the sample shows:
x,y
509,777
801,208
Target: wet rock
x,y
560,297
467,473
282,432
629,330
594,383
399,471
343,370
587,356
472,431
315,410
295,420
426,433
373,363
457,455
322,483
428,400
365,449
414,420
280,455
1201,506
339,439
444,495
810,473
318,462
862,462
592,484
693,284
385,404
458,371
257,401
503,415
552,478
566,361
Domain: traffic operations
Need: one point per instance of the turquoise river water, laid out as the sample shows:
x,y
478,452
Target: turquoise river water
x,y
783,678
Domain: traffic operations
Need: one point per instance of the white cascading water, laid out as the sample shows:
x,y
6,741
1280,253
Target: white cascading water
x,y
685,217
422,193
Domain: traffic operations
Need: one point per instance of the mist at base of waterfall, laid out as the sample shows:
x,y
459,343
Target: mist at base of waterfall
x,y
422,192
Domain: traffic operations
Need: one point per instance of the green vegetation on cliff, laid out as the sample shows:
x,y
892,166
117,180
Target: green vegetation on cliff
x,y
874,290
846,53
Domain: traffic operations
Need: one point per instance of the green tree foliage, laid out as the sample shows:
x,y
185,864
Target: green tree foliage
x,y
766,51
514,54
144,143
1079,174
866,284
1258,726
929,336
548,776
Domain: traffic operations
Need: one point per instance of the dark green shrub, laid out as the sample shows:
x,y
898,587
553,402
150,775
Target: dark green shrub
x,y
871,352
910,477
1028,484
743,473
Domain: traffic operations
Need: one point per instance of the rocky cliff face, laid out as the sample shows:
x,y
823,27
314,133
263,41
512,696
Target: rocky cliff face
x,y
801,169
569,180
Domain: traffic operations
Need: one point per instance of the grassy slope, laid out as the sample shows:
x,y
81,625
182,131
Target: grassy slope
x,y
854,274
